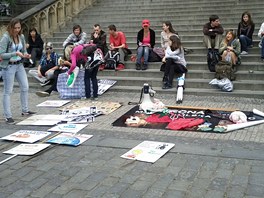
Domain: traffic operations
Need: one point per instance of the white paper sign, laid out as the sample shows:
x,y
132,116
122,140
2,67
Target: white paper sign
x,y
68,128
42,120
26,149
148,151
53,103
26,136
69,139
104,85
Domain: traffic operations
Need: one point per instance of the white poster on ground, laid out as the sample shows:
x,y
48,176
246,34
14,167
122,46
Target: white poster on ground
x,y
42,120
104,85
68,128
26,149
26,136
148,151
53,103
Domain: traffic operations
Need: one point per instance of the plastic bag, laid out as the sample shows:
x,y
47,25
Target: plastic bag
x,y
224,84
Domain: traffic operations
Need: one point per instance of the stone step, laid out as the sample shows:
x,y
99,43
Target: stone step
x,y
192,74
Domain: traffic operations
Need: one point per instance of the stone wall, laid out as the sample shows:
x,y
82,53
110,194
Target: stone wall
x,y
50,15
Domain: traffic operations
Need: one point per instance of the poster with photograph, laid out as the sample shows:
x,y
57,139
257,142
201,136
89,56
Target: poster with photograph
x,y
69,139
148,151
104,85
26,136
53,103
68,128
27,149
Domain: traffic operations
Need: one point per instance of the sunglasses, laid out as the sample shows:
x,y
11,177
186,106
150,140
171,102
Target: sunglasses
x,y
48,48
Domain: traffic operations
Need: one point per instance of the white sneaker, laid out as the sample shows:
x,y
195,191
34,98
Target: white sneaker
x,y
44,83
42,93
244,53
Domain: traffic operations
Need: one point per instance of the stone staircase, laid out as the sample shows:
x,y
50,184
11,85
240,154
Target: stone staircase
x,y
188,18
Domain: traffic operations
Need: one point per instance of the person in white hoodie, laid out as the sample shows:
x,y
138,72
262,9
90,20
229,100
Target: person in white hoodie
x,y
174,60
261,44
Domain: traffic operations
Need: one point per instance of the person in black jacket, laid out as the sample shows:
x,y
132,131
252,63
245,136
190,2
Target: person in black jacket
x,y
98,37
245,31
145,41
34,46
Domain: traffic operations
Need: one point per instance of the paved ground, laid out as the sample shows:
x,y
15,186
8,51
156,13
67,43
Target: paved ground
x,y
200,164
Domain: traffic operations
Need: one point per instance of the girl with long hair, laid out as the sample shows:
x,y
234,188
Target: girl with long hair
x,y
245,31
230,48
174,60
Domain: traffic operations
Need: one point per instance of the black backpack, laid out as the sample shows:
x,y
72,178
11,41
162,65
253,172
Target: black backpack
x,y
112,60
213,58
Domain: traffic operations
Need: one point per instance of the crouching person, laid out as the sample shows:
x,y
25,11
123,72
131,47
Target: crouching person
x,y
174,61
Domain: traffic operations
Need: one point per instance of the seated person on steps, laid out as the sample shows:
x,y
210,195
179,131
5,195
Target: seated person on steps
x,y
261,44
174,60
117,40
245,31
98,37
230,48
213,31
76,38
145,41
34,47
47,66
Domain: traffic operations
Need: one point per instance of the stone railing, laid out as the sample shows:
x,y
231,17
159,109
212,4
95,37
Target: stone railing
x,y
50,15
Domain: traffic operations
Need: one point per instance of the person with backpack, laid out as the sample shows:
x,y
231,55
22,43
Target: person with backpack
x,y
117,41
245,31
230,48
261,43
12,51
213,31
174,61
145,42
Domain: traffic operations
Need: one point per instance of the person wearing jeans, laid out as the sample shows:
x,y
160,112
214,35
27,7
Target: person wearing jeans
x,y
261,44
145,41
245,31
12,51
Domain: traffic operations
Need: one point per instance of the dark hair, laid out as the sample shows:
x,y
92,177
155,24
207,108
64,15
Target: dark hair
x,y
250,22
31,30
88,50
112,27
175,43
77,27
213,17
11,26
168,23
97,25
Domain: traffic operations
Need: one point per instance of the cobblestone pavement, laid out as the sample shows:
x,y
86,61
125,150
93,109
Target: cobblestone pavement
x,y
200,165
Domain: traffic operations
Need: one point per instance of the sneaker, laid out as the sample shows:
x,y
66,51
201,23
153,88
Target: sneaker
x,y
45,83
244,53
10,121
120,66
27,113
42,93
144,67
138,66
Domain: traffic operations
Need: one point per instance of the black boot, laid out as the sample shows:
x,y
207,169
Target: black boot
x,y
167,85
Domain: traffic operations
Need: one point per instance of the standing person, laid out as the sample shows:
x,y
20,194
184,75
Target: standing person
x,y
213,31
117,41
34,46
12,51
245,31
77,37
145,41
98,37
230,48
261,44
174,60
